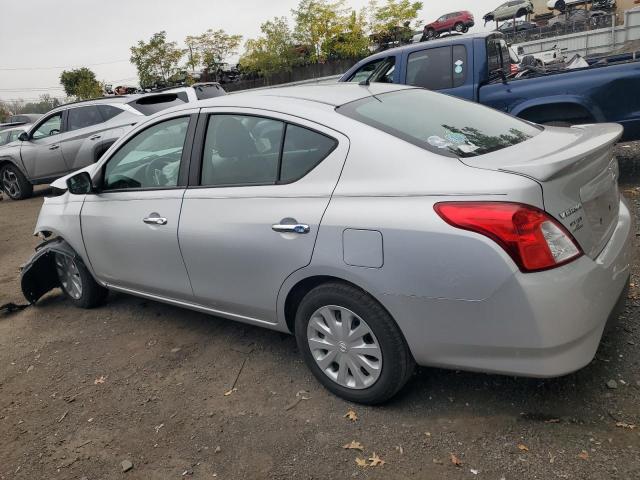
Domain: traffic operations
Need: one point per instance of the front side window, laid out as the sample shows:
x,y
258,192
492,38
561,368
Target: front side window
x,y
151,159
83,117
430,68
380,70
51,126
250,150
440,123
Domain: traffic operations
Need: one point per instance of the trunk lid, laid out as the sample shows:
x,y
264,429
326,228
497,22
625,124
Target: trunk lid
x,y
578,173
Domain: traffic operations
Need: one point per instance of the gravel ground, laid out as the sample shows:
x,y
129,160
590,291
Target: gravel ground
x,y
83,393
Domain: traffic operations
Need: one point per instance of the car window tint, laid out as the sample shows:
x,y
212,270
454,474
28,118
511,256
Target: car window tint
x,y
380,70
457,129
151,159
50,127
83,117
303,150
430,68
108,112
241,150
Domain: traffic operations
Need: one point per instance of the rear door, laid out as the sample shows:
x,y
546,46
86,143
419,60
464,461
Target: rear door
x,y
253,208
84,126
41,153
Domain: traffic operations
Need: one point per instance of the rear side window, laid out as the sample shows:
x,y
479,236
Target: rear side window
x,y
108,112
440,123
431,69
83,117
208,91
250,150
151,104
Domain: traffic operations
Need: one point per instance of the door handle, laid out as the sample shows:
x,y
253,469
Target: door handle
x,y
95,137
298,228
54,147
152,220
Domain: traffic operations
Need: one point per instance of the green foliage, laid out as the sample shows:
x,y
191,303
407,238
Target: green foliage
x,y
81,83
393,15
352,41
156,60
317,24
192,52
273,52
215,46
43,105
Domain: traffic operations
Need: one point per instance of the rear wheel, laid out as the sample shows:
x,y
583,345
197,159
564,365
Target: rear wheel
x,y
77,283
459,27
14,183
351,344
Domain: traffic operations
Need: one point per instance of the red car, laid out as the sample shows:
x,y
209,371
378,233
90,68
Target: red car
x,y
459,22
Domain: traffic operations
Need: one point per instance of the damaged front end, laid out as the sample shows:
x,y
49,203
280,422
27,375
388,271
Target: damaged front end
x,y
39,274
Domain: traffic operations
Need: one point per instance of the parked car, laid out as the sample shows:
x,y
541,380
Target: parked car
x,y
477,67
76,135
378,235
509,10
579,16
520,26
20,119
561,5
459,22
10,135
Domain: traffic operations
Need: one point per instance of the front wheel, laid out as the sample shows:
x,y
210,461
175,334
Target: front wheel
x,y
351,344
14,183
431,33
77,283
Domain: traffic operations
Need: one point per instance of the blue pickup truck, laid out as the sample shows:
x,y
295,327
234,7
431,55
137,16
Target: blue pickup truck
x,y
477,67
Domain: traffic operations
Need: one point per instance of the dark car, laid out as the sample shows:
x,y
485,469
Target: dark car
x,y
520,26
459,22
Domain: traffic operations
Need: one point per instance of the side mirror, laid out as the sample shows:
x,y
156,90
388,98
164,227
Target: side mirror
x,y
23,137
80,184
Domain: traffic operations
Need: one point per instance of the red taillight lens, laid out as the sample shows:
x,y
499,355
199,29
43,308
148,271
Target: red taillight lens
x,y
533,239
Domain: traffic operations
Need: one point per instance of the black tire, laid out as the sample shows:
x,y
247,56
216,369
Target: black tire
x,y
431,33
92,294
14,183
458,27
397,361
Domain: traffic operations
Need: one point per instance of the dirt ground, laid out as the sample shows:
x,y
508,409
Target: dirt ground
x,y
141,382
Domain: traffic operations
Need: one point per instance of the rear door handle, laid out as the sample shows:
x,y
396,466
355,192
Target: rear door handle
x,y
95,137
155,220
54,147
298,228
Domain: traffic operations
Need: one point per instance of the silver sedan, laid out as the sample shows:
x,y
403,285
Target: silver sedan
x,y
382,225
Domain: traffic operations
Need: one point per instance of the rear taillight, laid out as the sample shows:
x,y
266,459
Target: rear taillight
x,y
533,239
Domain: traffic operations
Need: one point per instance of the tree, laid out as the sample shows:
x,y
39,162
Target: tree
x,y
273,51
317,22
81,83
156,60
192,52
4,112
393,16
215,46
353,41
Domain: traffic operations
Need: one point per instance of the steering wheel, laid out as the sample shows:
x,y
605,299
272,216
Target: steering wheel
x,y
154,173
54,131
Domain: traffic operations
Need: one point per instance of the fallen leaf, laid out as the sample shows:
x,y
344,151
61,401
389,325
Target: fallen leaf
x,y
523,447
361,462
630,426
229,392
351,415
99,380
353,446
375,460
455,460
583,455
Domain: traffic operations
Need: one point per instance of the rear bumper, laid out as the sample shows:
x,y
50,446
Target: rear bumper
x,y
544,324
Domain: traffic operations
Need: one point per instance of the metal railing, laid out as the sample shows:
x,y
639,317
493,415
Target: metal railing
x,y
561,28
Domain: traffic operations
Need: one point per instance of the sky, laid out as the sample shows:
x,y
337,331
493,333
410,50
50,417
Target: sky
x,y
40,38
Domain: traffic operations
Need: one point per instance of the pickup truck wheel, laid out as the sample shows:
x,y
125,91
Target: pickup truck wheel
x,y
14,183
459,27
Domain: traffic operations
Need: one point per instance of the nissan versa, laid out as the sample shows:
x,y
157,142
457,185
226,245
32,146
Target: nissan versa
x,y
383,225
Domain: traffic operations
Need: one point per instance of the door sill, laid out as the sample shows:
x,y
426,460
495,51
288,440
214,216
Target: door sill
x,y
194,306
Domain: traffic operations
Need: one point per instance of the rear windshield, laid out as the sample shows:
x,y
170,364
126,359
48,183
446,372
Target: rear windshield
x,y
156,103
440,123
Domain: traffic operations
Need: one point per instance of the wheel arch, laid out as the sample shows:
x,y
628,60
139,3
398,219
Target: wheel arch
x,y
562,109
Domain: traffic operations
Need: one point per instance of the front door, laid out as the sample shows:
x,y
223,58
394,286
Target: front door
x,y
42,153
252,217
130,228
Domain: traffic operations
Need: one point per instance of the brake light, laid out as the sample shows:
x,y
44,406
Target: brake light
x,y
533,239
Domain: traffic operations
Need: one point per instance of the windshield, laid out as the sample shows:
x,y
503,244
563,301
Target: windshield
x,y
440,123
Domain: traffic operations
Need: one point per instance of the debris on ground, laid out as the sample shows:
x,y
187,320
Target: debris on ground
x,y
353,445
126,465
351,415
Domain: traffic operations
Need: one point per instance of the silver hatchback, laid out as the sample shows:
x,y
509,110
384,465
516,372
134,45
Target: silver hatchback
x,y
383,225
